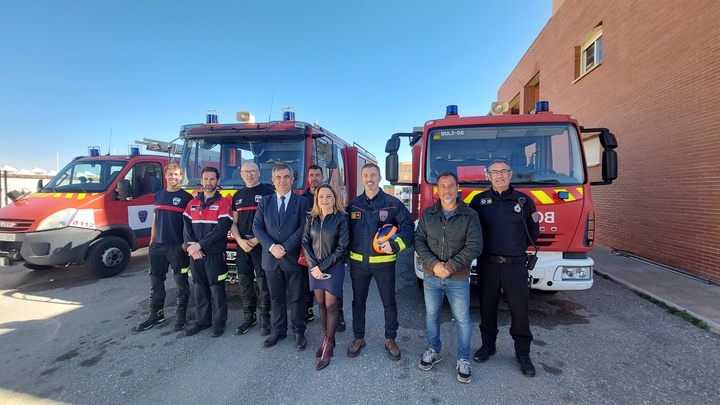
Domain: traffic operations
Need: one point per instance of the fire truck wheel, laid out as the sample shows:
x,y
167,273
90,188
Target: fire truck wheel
x,y
108,256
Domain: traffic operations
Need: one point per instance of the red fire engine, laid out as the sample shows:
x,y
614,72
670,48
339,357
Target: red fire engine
x,y
96,210
545,152
298,144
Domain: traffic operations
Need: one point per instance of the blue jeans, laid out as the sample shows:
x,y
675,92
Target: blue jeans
x,y
458,293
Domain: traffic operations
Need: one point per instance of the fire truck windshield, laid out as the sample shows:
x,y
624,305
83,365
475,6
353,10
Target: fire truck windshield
x,y
537,153
227,154
85,176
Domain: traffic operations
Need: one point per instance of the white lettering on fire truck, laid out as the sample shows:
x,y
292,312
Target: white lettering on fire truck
x,y
547,217
84,218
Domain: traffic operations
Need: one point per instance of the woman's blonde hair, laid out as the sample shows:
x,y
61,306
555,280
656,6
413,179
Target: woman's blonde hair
x,y
316,210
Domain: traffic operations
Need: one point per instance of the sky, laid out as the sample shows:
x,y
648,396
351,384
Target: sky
x,y
79,73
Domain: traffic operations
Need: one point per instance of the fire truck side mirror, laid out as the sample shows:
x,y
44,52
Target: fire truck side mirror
x,y
610,165
609,156
393,144
123,192
391,167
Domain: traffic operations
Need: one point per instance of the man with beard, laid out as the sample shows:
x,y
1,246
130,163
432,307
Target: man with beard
x,y
448,238
208,219
369,212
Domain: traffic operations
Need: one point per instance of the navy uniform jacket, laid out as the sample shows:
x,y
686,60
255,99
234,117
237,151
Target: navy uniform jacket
x,y
269,231
501,218
245,202
169,208
366,217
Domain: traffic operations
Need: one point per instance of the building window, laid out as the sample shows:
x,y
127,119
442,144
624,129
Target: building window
x,y
592,54
592,150
589,52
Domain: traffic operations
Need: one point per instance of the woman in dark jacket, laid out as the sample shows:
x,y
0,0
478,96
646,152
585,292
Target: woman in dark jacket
x,y
325,243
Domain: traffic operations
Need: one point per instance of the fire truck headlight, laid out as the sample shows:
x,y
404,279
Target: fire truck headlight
x,y
58,220
576,273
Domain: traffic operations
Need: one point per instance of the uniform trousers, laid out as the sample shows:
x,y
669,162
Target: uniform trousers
x,y
385,280
513,278
209,274
249,268
160,257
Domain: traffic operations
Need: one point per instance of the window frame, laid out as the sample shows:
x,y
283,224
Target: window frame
x,y
594,40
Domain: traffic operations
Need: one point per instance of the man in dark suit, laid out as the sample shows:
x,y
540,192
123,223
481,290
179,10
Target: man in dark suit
x,y
278,226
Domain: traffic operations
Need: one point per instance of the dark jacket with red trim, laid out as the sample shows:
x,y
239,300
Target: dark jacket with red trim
x,y
208,222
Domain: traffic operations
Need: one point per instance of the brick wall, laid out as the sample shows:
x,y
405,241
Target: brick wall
x,y
658,90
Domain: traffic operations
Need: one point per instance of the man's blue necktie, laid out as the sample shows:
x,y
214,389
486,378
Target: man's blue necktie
x,y
281,212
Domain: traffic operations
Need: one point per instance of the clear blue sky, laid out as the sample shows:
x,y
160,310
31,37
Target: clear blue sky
x,y
75,71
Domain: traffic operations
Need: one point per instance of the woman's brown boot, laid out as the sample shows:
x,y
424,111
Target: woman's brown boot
x,y
328,347
319,351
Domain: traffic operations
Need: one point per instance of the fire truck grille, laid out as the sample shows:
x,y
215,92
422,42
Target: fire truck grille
x,y
8,246
546,239
15,225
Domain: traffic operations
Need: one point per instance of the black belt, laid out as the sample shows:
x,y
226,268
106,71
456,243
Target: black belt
x,y
505,259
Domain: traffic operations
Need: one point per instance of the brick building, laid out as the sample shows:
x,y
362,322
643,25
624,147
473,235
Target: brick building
x,y
649,70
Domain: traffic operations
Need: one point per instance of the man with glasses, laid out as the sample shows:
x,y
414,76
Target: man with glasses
x,y
509,221
249,253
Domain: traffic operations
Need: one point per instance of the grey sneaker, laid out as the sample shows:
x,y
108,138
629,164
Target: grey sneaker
x,y
463,368
429,358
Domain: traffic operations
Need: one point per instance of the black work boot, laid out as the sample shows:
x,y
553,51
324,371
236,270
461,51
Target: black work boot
x,y
265,325
341,326
157,315
180,315
249,322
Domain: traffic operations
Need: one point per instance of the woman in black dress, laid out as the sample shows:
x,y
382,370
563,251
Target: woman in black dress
x,y
325,243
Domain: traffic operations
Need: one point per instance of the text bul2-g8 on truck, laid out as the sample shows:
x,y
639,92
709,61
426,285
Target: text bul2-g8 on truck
x,y
545,152
226,146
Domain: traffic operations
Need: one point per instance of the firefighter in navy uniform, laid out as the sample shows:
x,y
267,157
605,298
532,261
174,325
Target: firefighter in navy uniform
x,y
249,251
509,221
208,218
368,212
166,249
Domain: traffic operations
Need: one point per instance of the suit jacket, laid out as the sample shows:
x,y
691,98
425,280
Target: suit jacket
x,y
268,230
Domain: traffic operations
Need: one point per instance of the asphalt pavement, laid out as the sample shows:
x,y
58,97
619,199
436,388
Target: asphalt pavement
x,y
699,298
66,337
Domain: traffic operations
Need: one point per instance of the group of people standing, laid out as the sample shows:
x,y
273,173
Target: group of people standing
x,y
496,228
298,245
